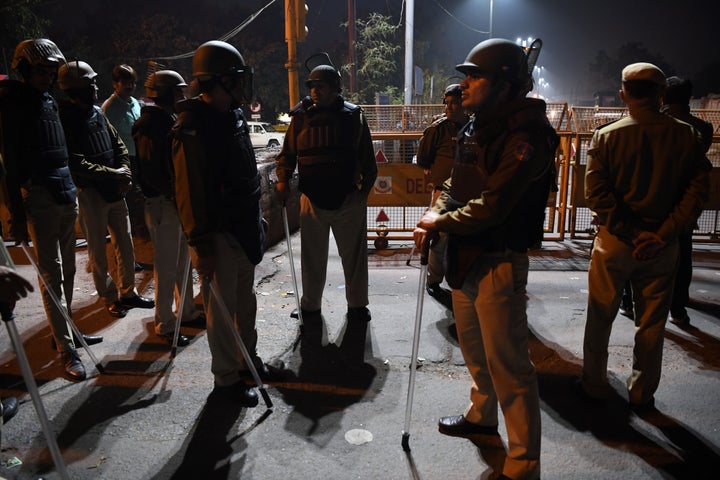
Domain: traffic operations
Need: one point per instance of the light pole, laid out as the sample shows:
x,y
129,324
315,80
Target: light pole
x,y
491,18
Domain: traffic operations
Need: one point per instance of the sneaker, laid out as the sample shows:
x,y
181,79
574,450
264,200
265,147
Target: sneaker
x,y
681,320
137,301
74,368
627,311
239,392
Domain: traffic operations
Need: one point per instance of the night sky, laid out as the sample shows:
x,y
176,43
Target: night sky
x,y
684,32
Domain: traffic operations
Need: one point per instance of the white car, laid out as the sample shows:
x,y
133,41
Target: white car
x,y
264,135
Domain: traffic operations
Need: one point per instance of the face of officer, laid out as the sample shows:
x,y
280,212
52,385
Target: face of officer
x,y
41,76
479,91
321,93
453,108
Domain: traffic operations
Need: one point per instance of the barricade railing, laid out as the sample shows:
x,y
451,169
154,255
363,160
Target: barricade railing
x,y
402,192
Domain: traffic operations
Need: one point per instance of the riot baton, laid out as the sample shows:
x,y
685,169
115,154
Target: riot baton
x,y
7,316
416,342
246,355
292,262
60,308
183,295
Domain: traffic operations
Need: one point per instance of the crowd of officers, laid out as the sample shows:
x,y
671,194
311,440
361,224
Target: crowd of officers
x,y
193,162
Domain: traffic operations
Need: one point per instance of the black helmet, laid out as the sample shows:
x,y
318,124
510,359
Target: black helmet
x,y
37,51
162,82
501,58
324,73
75,74
453,90
215,58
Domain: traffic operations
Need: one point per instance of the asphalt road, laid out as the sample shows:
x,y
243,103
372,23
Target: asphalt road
x,y
339,411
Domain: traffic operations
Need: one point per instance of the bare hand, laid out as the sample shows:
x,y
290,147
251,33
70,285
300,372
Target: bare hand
x,y
283,192
13,287
648,245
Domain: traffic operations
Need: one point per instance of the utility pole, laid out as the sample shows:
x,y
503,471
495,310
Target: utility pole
x,y
295,31
409,25
352,38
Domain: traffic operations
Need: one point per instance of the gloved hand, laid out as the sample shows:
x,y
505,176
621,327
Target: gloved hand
x,y
648,245
13,287
283,192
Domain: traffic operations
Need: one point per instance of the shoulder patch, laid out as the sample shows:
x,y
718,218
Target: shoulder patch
x,y
524,151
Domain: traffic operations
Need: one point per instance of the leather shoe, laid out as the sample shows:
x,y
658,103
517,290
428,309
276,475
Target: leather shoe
x,y
183,340
358,314
9,408
266,372
458,426
239,392
116,310
305,313
137,301
89,339
442,295
74,368
199,321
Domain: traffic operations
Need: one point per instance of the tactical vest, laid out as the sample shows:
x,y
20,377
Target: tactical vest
x,y
326,154
94,142
51,168
479,154
42,143
232,174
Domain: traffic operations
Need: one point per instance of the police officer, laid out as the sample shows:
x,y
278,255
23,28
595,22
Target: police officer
x,y
646,180
101,169
151,134
217,188
42,195
436,154
493,212
329,142
676,103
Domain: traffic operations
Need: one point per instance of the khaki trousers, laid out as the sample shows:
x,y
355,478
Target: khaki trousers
x,y
170,254
235,278
52,230
491,319
349,227
611,265
97,218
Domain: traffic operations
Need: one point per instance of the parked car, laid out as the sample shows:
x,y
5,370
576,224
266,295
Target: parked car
x,y
264,135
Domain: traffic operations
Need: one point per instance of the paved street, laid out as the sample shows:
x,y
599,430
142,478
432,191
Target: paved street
x,y
339,411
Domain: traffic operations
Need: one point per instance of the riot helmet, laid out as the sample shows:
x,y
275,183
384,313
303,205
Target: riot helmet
x,y
502,59
75,75
453,90
325,72
217,59
37,51
162,83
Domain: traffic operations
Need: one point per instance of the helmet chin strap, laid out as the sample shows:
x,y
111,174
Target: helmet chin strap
x,y
493,97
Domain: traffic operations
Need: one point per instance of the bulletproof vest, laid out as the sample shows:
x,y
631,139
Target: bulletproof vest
x,y
326,154
478,155
51,167
95,144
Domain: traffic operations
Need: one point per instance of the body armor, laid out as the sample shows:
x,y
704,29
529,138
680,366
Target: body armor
x,y
42,146
94,142
326,154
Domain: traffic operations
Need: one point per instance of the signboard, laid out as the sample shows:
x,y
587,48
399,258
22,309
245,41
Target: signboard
x,y
401,185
